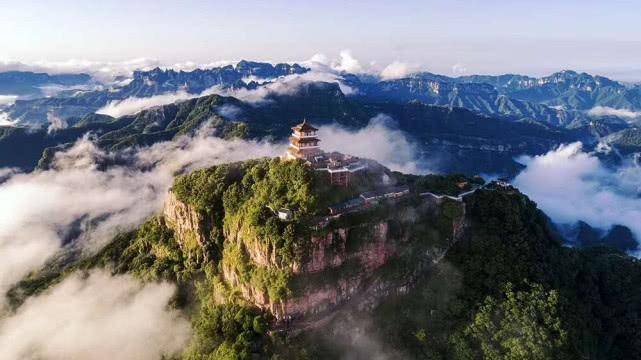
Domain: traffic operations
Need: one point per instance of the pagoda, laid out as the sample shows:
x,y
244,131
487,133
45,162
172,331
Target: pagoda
x,y
303,143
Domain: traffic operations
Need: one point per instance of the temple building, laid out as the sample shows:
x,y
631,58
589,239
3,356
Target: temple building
x,y
303,144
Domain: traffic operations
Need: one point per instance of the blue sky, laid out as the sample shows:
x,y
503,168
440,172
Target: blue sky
x,y
490,36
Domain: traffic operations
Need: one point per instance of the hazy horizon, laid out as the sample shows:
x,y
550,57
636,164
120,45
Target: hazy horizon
x,y
453,38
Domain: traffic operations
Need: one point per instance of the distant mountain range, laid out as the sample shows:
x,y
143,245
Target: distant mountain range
x,y
146,84
457,140
474,123
23,83
567,89
561,99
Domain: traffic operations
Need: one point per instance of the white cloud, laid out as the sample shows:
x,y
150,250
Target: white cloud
x,y
5,173
190,65
256,79
104,71
8,99
320,63
36,208
231,112
459,69
377,141
55,122
98,317
285,85
598,111
133,105
397,70
319,59
114,85
5,120
53,90
347,63
570,185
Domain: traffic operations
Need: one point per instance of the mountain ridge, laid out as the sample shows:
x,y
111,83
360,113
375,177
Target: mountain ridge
x,y
562,99
468,142
27,83
144,84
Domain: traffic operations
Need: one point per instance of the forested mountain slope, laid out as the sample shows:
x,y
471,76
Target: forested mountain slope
x,y
414,277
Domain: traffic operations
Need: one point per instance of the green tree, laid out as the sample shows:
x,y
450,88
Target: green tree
x,y
521,325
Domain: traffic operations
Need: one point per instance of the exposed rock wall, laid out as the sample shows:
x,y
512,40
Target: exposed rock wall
x,y
328,252
186,222
340,267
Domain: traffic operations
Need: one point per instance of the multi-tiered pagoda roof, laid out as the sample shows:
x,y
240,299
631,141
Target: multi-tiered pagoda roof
x,y
304,127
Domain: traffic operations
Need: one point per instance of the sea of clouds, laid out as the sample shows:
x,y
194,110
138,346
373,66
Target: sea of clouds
x,y
118,74
97,317
88,317
8,99
35,207
285,85
133,105
5,120
570,184
84,317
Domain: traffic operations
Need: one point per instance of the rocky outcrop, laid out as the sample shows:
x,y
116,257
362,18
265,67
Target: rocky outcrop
x,y
329,251
343,264
328,254
187,223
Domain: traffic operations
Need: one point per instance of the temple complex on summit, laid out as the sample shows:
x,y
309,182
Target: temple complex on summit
x,y
303,145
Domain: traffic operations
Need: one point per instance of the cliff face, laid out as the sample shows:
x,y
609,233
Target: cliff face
x,y
355,264
330,254
187,223
329,251
330,275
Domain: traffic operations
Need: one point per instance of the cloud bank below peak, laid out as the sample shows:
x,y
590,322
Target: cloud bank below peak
x,y
599,111
285,85
133,105
36,208
97,317
4,120
379,141
570,184
8,99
